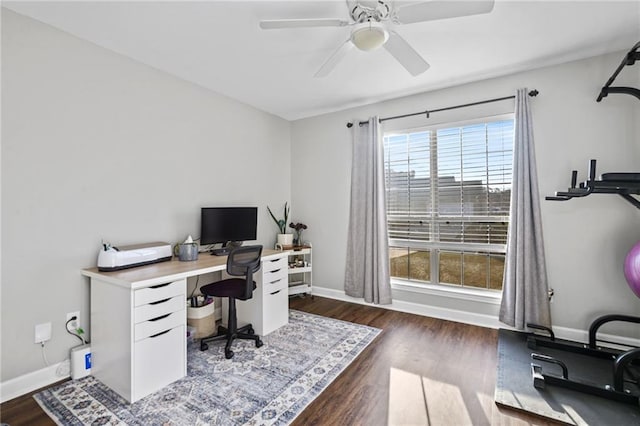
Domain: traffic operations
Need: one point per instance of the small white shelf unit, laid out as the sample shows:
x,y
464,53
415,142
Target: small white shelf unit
x,y
300,270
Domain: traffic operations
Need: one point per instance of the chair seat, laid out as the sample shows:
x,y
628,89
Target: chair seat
x,y
231,287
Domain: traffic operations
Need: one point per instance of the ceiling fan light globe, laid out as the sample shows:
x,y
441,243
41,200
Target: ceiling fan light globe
x,y
369,37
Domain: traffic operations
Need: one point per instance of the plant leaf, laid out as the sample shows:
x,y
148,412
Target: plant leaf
x,y
281,223
273,217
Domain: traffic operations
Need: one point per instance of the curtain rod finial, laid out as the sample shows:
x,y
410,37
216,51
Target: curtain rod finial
x,y
534,92
349,125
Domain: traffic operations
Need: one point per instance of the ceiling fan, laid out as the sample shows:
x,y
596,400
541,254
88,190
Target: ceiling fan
x,y
371,20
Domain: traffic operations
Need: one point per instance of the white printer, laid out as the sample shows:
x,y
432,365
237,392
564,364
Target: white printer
x,y
113,258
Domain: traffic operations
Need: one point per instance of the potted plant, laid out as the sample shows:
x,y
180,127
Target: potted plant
x,y
284,239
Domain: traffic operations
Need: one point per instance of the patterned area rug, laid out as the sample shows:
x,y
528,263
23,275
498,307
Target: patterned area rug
x,y
270,385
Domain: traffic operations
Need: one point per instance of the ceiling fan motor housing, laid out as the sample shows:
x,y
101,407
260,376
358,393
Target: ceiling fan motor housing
x,y
365,10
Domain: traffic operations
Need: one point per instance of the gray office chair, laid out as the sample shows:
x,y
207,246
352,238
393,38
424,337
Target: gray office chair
x,y
242,261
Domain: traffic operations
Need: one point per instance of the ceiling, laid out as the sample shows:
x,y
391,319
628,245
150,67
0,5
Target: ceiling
x,y
219,45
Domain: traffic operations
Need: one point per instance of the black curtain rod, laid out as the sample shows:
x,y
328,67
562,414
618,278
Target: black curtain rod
x,y
534,92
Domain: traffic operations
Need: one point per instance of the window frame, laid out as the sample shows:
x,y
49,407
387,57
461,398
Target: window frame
x,y
485,295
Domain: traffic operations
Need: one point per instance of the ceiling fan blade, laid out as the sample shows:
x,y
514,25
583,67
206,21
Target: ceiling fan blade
x,y
301,23
405,54
333,60
434,10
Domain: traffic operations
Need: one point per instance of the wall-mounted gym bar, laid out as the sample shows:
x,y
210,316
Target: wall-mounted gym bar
x,y
623,184
629,59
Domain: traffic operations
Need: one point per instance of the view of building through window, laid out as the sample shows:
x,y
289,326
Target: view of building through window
x,y
448,191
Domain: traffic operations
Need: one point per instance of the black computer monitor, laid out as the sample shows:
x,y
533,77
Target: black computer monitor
x,y
228,224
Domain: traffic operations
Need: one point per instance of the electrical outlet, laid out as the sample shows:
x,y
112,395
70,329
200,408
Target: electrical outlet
x,y
75,324
42,332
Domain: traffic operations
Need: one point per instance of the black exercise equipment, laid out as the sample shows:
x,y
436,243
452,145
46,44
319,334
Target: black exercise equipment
x,y
629,59
625,367
623,184
624,383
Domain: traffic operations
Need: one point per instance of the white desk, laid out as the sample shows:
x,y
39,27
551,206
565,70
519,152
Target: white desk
x,y
138,319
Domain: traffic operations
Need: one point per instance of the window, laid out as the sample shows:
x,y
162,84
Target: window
x,y
448,192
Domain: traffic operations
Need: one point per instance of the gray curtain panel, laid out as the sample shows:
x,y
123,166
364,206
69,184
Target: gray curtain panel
x,y
367,271
525,289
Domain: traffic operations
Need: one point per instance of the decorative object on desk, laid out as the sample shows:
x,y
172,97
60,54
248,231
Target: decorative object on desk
x,y
270,385
284,239
298,227
187,251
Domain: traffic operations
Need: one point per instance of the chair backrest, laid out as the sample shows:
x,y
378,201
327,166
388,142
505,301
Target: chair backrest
x,y
244,261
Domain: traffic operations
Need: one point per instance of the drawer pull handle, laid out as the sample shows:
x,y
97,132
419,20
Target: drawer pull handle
x,y
159,285
160,317
160,334
160,301
275,292
275,270
274,260
273,282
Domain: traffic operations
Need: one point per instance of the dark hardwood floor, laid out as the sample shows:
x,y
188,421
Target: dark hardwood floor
x,y
418,371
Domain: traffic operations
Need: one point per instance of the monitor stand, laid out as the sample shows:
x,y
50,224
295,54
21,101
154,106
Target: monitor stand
x,y
222,251
226,248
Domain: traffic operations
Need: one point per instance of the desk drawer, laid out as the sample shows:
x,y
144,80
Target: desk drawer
x,y
275,274
273,265
276,310
160,292
160,324
275,284
158,361
159,308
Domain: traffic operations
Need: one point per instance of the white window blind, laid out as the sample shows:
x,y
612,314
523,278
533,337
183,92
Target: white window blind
x,y
448,192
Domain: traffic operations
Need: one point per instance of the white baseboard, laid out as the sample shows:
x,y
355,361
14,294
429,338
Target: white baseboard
x,y
29,382
471,318
583,336
481,320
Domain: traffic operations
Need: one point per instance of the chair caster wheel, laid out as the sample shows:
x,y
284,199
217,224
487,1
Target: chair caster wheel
x,y
204,346
259,343
228,354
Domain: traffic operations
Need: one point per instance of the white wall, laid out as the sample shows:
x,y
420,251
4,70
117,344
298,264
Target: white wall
x,y
95,145
586,240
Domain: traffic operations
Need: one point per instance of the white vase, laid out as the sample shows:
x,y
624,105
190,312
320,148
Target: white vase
x,y
285,239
